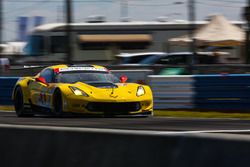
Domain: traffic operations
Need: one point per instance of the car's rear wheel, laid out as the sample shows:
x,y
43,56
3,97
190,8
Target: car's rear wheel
x,y
19,104
57,103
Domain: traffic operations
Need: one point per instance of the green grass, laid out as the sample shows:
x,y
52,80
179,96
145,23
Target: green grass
x,y
183,114
7,108
204,114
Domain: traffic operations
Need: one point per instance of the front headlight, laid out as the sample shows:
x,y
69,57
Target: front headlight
x,y
140,91
78,91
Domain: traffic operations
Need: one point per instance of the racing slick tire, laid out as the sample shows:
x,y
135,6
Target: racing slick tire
x,y
19,104
57,103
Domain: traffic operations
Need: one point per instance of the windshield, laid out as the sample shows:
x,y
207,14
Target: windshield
x,y
86,77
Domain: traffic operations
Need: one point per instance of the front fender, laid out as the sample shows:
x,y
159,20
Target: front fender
x,y
23,83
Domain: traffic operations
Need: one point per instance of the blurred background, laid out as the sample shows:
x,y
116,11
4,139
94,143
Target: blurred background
x,y
189,36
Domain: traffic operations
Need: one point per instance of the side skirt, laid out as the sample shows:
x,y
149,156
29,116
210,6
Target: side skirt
x,y
41,110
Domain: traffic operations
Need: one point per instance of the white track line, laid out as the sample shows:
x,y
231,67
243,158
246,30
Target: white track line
x,y
120,131
205,131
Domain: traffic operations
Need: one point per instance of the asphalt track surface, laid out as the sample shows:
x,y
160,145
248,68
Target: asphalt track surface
x,y
164,124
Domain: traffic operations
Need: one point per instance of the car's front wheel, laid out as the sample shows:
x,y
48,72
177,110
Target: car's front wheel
x,y
57,103
19,104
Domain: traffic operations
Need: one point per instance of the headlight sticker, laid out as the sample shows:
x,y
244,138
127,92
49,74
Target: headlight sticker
x,y
140,91
78,91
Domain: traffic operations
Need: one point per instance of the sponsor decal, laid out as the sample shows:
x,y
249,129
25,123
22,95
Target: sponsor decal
x,y
81,69
42,98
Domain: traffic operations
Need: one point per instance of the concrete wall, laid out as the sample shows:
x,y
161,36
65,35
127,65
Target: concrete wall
x,y
63,147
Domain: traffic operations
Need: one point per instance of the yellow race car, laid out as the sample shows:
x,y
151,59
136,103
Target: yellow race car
x,y
87,89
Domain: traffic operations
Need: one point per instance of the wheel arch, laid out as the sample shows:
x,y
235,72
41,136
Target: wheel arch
x,y
56,90
14,91
23,84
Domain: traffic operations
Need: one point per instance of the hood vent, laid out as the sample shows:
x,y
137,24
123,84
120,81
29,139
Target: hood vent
x,y
102,84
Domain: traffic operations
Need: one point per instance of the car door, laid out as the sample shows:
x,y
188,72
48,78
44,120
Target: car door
x,y
41,92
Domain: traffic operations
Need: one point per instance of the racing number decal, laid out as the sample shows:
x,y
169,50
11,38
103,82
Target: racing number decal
x,y
42,98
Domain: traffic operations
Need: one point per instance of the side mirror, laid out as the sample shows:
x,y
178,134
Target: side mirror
x,y
42,80
123,78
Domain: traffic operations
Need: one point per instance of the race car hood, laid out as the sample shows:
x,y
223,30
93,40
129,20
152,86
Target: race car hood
x,y
109,91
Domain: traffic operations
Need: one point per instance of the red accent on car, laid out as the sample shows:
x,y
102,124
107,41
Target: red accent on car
x,y
123,78
42,80
56,70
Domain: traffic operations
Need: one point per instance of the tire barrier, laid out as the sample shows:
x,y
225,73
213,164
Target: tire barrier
x,y
6,86
211,92
53,147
